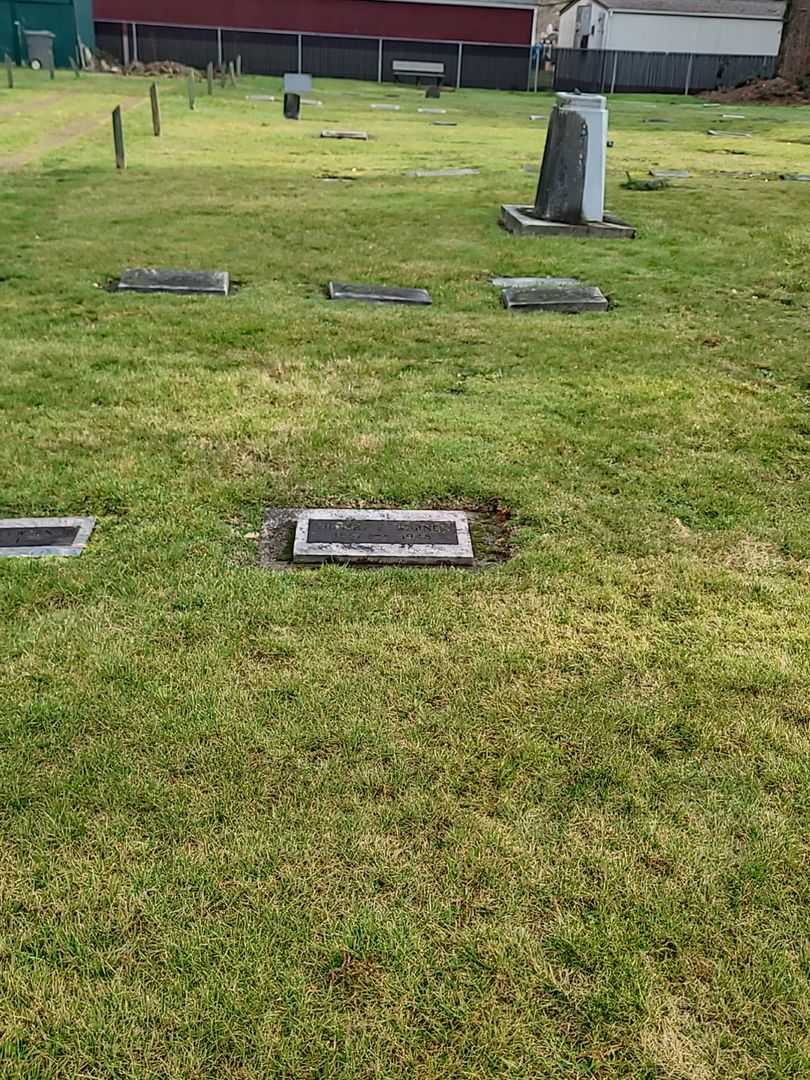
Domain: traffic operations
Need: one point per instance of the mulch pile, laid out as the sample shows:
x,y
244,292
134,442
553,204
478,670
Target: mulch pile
x,y
769,91
170,68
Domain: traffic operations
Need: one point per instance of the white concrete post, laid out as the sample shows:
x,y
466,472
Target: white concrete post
x,y
592,108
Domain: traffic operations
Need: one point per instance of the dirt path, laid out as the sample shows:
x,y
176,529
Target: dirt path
x,y
32,106
66,134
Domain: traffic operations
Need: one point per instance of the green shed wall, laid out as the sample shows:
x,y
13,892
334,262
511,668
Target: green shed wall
x,y
61,17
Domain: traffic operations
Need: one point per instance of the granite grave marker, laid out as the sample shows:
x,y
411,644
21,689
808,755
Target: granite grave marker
x,y
399,537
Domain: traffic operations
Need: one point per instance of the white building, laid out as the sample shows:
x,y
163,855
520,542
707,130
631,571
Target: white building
x,y
724,27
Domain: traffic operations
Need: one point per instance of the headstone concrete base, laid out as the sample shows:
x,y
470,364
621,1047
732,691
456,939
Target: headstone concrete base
x,y
521,221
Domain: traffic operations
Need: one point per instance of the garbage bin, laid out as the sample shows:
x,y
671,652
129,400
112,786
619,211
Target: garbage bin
x,y
40,48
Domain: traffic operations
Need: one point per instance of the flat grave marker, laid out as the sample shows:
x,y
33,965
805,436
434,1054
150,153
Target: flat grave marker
x,y
444,172
398,537
670,174
802,177
537,116
732,116
260,97
432,110
34,538
377,294
443,123
563,299
311,101
385,108
359,135
730,134
532,282
183,282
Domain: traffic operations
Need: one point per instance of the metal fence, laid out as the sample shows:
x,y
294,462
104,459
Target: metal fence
x,y
497,67
613,71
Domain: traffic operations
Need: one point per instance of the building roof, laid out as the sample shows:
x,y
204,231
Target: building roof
x,y
729,9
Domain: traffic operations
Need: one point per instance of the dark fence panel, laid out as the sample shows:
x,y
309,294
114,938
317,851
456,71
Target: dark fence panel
x,y
606,71
714,72
339,57
109,40
433,51
262,54
495,67
181,43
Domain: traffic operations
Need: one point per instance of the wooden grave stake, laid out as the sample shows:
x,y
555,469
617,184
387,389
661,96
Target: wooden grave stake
x,y
231,73
209,74
118,138
190,88
153,98
239,66
75,67
10,72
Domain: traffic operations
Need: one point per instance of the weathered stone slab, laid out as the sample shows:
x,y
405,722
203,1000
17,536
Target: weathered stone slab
x,y
385,108
532,282
154,280
670,174
562,176
656,120
398,537
537,116
34,538
732,116
432,110
443,123
567,299
260,97
361,135
311,101
377,294
803,177
730,134
444,172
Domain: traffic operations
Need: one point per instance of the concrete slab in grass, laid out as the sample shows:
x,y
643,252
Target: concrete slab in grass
x,y
532,282
397,537
670,174
564,299
184,282
377,294
359,135
444,172
34,538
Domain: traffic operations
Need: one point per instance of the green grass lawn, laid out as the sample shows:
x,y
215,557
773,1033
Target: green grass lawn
x,y
547,820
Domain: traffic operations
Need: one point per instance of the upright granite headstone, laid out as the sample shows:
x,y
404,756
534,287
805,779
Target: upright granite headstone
x,y
570,196
292,106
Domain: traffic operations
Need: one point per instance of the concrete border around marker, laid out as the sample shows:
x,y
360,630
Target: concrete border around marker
x,y
460,554
85,526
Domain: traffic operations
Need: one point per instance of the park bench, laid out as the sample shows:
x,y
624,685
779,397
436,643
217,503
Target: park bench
x,y
431,70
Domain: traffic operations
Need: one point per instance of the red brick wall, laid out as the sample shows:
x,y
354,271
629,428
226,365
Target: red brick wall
x,y
367,18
